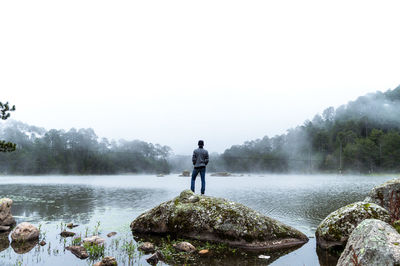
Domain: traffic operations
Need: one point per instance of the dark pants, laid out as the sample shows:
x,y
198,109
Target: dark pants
x,y
202,172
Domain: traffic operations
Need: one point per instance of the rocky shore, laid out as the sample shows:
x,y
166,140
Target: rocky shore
x,y
368,231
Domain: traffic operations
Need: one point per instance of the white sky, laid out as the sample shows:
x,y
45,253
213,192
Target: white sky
x,y
173,72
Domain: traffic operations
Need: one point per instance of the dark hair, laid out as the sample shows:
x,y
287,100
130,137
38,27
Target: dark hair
x,y
200,143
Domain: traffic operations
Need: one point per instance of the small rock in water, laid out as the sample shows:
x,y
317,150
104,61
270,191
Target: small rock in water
x,y
42,243
4,228
111,234
184,246
96,240
67,234
25,232
155,258
71,225
107,261
146,247
78,251
265,257
203,251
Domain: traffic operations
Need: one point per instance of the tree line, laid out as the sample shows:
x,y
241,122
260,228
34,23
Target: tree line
x,y
77,152
361,136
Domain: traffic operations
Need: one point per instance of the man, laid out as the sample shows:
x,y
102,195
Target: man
x,y
200,160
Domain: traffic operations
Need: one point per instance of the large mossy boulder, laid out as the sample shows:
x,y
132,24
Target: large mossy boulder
x,y
387,195
336,228
219,220
373,242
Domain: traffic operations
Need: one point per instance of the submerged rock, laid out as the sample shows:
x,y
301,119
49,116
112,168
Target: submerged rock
x,y
387,196
185,247
71,225
146,247
336,228
6,218
107,261
155,258
79,251
221,174
111,234
25,232
373,242
216,219
67,234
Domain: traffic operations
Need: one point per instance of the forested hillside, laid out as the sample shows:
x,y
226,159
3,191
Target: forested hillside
x,y
361,136
76,152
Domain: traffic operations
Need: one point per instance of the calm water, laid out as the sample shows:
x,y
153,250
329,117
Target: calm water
x,y
301,201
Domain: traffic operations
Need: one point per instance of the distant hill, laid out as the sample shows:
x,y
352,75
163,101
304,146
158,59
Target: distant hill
x,y
362,136
76,152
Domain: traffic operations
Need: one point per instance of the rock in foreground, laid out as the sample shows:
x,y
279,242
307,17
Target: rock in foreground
x,y
6,218
387,195
336,228
215,219
373,242
25,232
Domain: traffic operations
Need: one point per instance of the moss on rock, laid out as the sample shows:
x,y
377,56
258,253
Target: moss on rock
x,y
216,219
336,228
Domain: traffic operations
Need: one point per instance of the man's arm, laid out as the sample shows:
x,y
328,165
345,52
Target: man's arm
x,y
206,158
194,157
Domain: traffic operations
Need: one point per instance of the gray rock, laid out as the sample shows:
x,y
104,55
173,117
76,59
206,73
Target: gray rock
x,y
336,228
185,173
78,251
25,232
6,218
146,247
185,247
387,195
373,242
94,240
219,220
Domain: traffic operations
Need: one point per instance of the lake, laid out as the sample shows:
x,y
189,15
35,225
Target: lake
x,y
111,203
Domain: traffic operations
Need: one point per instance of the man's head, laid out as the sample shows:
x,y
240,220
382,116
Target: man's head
x,y
201,143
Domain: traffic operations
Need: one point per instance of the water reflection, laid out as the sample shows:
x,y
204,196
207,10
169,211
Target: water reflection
x,y
4,241
24,247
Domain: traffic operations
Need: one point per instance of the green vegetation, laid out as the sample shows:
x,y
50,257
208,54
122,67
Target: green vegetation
x,y
362,136
95,251
5,114
77,152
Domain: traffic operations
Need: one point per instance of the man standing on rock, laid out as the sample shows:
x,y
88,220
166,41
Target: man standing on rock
x,y
200,160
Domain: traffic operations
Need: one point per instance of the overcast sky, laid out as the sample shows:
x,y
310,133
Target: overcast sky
x,y
173,72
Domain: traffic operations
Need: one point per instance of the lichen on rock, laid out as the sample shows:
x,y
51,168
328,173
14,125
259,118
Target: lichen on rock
x,y
216,219
336,228
387,195
373,242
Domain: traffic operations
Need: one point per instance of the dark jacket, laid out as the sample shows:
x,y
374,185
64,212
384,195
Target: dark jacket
x,y
200,157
